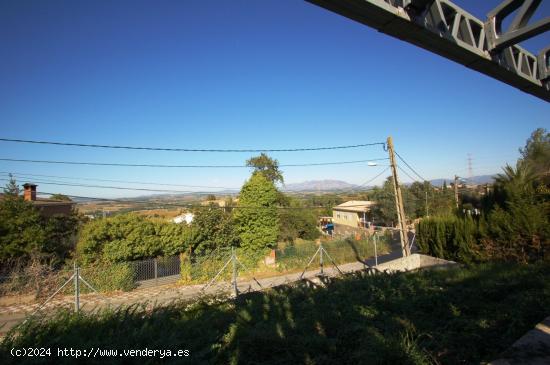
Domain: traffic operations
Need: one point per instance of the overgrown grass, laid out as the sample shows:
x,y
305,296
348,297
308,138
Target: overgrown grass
x,y
454,316
342,251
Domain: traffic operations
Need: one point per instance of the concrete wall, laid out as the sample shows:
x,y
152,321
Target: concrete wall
x,y
414,262
344,230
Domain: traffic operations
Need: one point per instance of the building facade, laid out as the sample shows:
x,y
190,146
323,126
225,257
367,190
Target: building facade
x,y
354,213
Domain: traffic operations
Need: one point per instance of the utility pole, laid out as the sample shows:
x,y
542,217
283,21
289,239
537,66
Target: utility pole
x,y
456,191
401,218
427,212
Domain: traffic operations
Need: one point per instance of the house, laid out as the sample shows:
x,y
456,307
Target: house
x,y
47,207
353,213
186,217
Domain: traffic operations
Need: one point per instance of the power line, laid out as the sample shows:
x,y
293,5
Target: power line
x,y
32,176
374,178
405,172
355,188
58,183
409,166
182,166
188,205
189,149
46,182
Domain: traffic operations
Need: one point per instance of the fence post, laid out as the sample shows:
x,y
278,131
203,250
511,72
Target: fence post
x,y
76,288
375,251
156,268
321,258
234,279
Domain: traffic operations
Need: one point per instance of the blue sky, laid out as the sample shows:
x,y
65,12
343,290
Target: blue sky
x,y
241,74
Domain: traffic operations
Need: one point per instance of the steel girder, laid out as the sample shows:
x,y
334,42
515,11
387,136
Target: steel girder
x,y
445,29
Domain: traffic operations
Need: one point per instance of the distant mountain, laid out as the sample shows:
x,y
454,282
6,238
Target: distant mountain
x,y
335,185
477,180
319,185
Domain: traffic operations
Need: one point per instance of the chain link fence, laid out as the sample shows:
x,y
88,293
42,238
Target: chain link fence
x,y
296,256
156,268
40,282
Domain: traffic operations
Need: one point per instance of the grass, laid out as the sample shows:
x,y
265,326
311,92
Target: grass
x,y
342,251
290,258
454,316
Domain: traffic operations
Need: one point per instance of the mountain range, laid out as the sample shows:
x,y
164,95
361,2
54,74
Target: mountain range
x,y
335,185
311,186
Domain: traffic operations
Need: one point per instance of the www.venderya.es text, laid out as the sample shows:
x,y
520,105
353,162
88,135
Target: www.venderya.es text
x,y
95,352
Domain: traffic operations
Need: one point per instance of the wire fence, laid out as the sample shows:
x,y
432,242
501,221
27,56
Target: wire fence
x,y
156,268
347,250
38,283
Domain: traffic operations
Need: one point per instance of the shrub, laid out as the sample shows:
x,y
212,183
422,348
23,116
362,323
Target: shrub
x,y
129,237
449,238
109,277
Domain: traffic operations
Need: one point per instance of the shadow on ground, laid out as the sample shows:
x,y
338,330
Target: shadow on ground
x,y
441,316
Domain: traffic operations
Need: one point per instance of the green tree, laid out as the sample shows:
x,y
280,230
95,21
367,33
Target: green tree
x,y
257,219
212,228
384,211
295,222
21,233
536,153
11,189
268,166
26,235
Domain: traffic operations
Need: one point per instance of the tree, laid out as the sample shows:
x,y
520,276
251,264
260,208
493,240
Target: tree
x,y
212,228
11,189
21,232
295,222
384,211
267,166
26,235
516,182
536,153
256,218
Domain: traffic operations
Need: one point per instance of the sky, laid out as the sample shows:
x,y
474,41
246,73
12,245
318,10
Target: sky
x,y
240,75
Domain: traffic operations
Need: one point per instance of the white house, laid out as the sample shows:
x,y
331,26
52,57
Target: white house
x,y
186,217
355,213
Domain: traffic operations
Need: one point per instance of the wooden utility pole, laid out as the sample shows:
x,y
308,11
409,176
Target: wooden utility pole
x,y
456,191
401,218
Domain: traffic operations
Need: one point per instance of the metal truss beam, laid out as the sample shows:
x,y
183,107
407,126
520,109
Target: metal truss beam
x,y
444,28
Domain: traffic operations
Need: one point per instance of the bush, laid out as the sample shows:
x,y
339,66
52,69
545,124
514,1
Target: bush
x,y
449,238
109,277
518,234
521,233
129,237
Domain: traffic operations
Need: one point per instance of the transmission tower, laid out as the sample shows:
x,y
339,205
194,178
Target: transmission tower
x,y
470,169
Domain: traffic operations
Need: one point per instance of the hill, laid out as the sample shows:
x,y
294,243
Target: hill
x,y
319,185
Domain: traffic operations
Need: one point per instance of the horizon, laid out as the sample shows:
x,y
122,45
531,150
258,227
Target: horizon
x,y
211,75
